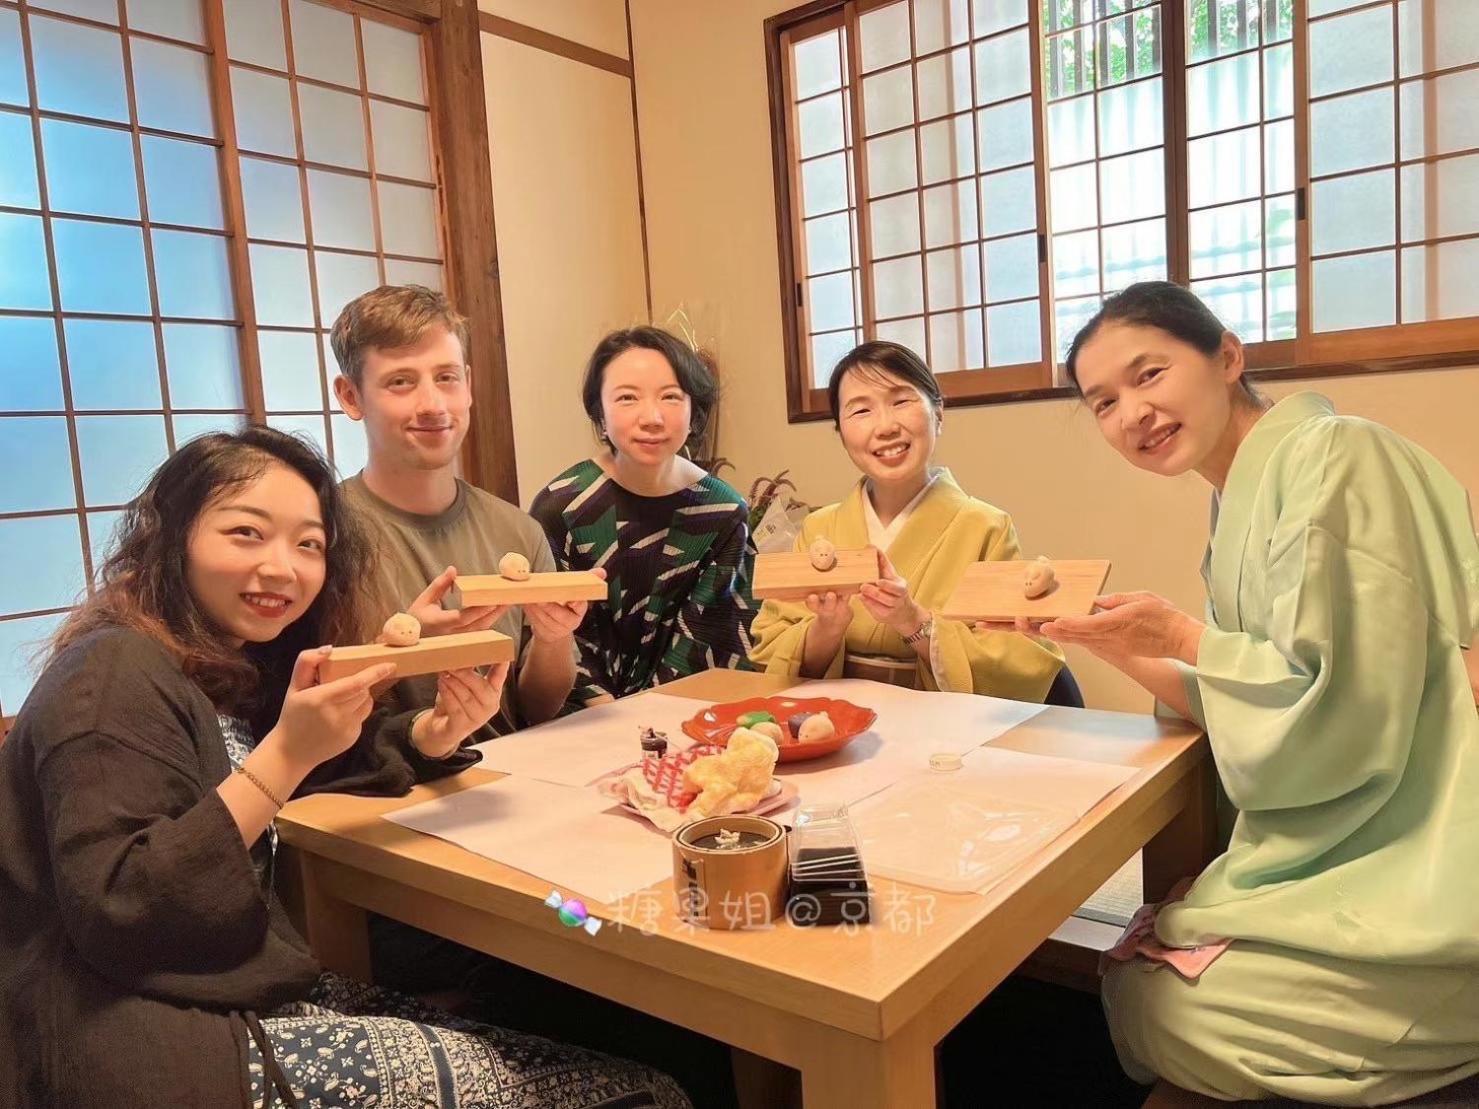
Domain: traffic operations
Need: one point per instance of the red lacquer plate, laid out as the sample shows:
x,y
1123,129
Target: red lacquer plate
x,y
715,723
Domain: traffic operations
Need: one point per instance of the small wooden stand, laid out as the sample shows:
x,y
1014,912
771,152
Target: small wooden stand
x,y
994,591
790,576
562,587
431,656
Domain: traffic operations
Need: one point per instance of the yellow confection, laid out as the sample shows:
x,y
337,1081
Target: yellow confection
x,y
736,779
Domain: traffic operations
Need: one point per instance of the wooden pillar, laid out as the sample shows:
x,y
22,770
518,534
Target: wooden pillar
x,y
456,77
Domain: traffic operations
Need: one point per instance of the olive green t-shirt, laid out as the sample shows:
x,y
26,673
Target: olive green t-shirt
x,y
410,549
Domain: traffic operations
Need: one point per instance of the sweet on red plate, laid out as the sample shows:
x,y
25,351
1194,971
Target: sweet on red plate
x,y
715,723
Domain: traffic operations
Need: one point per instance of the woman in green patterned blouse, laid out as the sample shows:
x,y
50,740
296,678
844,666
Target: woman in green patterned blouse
x,y
674,540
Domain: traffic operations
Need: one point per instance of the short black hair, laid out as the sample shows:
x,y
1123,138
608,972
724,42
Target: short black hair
x,y
893,359
1164,305
693,369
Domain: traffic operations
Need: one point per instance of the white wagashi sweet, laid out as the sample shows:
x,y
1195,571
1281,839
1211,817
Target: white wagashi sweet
x,y
1041,577
816,728
823,555
514,567
401,630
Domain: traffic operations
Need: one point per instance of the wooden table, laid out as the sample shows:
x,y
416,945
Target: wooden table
x,y
858,1012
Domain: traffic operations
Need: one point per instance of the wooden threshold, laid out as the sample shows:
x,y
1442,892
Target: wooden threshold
x,y
1070,957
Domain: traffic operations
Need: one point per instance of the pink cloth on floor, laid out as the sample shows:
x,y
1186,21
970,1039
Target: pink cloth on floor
x,y
1140,941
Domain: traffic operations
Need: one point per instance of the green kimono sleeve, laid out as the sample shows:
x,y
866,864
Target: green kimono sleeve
x,y
1337,709
1322,709
1192,686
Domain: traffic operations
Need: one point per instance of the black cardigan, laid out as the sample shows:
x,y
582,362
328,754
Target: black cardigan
x,y
133,930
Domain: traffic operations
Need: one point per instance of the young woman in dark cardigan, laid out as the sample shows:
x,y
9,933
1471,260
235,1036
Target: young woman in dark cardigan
x,y
144,960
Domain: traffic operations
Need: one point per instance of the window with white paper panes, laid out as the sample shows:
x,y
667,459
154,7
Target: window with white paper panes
x,y
338,187
1241,180
937,246
118,319
828,254
953,231
1309,169
1393,162
1105,91
124,313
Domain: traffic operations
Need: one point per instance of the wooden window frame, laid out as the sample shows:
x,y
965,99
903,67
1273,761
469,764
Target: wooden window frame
x,y
155,318
1171,147
1309,355
462,172
460,155
223,77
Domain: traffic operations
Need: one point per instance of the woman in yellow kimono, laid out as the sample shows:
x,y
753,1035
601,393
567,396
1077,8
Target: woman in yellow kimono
x,y
887,407
1330,679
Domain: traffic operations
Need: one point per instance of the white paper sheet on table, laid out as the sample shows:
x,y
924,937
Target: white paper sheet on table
x,y
911,726
576,750
565,835
545,819
966,829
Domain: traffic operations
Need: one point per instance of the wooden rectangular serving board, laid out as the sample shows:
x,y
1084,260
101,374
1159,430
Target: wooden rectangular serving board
x,y
790,576
562,587
431,656
993,591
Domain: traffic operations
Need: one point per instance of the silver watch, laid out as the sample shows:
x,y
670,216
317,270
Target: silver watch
x,y
921,632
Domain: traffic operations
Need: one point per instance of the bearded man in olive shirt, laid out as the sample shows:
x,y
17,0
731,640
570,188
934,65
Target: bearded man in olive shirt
x,y
402,354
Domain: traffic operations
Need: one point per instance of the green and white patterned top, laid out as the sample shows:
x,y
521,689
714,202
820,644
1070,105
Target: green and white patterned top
x,y
678,570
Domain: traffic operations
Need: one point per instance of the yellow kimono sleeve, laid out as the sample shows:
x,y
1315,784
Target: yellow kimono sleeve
x,y
993,663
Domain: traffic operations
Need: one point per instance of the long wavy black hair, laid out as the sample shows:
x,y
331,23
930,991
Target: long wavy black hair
x,y
143,584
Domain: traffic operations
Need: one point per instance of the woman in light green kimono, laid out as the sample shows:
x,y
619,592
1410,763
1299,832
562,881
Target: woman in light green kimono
x,y
887,407
1343,579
